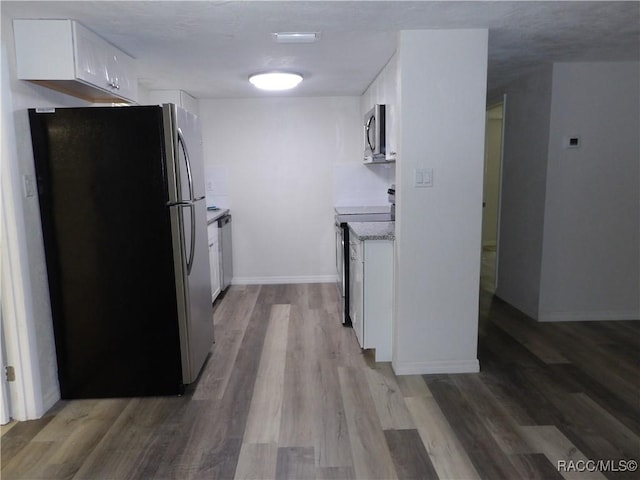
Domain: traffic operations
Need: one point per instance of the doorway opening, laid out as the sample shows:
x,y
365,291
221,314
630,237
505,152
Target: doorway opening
x,y
494,142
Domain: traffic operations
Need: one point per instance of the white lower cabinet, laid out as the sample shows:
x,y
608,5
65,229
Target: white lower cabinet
x,y
214,259
371,294
356,289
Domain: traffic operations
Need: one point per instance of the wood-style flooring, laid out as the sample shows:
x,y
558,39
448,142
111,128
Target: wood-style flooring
x,y
286,393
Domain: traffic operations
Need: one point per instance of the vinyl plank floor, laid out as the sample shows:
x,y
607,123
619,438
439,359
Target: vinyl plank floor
x,y
239,305
447,454
388,399
286,392
257,461
297,427
295,463
120,449
371,456
19,437
265,413
331,433
550,441
409,455
69,454
472,432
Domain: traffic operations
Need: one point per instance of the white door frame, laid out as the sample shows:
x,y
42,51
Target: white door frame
x,y
25,395
5,407
18,322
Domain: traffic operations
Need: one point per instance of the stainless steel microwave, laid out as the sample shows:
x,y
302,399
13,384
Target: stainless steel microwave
x,y
375,148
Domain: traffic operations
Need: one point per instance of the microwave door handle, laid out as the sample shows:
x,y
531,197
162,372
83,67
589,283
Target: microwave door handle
x,y
368,129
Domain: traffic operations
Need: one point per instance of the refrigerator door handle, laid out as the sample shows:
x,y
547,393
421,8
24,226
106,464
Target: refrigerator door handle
x,y
185,203
192,247
187,160
193,239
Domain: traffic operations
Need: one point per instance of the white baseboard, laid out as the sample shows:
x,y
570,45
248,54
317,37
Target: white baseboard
x,y
589,316
282,280
443,366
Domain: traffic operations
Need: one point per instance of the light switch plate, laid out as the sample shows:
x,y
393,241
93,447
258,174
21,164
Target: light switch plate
x,y
423,177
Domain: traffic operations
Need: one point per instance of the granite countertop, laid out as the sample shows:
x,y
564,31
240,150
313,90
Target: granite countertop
x,y
213,215
373,230
361,210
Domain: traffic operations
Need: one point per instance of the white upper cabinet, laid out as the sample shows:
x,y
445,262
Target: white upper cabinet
x,y
385,90
179,97
66,56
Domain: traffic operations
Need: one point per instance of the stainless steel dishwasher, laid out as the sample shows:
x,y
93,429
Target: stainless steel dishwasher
x,y
226,257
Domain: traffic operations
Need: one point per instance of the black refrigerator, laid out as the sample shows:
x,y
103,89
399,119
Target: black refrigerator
x,y
121,194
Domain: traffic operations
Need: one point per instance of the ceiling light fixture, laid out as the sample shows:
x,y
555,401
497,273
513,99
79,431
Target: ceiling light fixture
x,y
275,80
296,37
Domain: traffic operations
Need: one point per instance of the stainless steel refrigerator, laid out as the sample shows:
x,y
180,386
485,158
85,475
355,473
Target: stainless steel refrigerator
x,y
122,203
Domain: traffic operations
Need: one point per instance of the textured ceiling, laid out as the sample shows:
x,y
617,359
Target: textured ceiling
x,y
210,48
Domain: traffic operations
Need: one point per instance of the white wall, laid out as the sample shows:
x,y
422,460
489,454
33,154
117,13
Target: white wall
x,y
591,246
26,309
524,173
278,156
359,184
442,91
570,217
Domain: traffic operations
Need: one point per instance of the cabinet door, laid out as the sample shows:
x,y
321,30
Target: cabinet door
x,y
356,290
89,57
377,258
214,260
103,65
120,73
